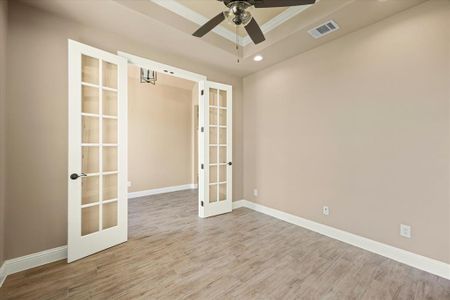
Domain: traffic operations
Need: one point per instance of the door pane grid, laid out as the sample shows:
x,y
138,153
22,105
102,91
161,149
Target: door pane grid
x,y
99,145
217,145
217,142
110,146
100,109
223,145
88,84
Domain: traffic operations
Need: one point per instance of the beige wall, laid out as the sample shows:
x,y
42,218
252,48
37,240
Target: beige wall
x,y
159,135
362,125
36,217
3,35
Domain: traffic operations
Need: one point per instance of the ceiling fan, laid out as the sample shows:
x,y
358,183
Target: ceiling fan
x,y
238,13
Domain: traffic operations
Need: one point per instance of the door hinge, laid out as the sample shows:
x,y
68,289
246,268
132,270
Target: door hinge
x,y
202,166
201,203
203,92
202,129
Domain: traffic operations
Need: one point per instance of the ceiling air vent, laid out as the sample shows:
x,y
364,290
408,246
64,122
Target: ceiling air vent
x,y
323,29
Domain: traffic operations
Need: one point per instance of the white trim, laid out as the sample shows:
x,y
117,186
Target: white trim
x,y
238,204
201,80
199,19
424,263
163,190
277,21
161,68
438,268
195,17
30,261
3,273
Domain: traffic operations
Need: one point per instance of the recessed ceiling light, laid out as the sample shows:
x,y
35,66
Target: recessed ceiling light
x,y
258,58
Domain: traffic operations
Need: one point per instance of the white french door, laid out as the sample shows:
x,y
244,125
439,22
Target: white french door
x,y
216,142
97,179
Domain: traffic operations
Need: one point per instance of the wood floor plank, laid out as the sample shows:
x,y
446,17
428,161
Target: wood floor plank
x,y
173,254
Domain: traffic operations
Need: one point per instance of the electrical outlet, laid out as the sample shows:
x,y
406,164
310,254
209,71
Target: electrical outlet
x,y
255,192
129,183
405,231
326,210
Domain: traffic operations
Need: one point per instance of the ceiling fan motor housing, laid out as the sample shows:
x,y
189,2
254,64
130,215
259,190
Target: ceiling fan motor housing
x,y
238,12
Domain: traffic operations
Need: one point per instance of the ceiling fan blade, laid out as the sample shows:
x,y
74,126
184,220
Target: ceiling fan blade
x,y
208,26
281,3
254,31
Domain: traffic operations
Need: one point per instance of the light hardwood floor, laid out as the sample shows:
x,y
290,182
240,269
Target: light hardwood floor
x,y
172,254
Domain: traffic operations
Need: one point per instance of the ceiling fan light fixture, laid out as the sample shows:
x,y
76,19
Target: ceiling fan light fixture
x,y
239,13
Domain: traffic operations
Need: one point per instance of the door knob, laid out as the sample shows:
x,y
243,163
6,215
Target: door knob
x,y
230,163
75,176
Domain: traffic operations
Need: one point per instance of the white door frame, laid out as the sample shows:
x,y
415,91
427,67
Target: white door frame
x,y
201,82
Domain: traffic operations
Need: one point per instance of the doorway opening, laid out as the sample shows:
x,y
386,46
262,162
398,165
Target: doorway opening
x,y
162,133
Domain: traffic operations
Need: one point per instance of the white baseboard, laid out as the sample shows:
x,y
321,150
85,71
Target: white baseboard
x,y
168,189
26,262
427,264
2,274
411,259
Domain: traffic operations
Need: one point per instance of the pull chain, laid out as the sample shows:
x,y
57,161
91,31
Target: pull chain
x,y
237,44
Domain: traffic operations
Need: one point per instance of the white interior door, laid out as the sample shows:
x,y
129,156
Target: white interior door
x,y
97,179
217,145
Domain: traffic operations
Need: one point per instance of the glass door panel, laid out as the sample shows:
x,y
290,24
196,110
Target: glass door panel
x,y
89,219
89,69
223,99
212,174
109,187
109,215
213,193
213,116
213,155
110,159
90,130
212,97
109,75
222,173
223,116
99,151
213,135
223,192
219,150
222,154
223,136
90,100
109,103
109,131
90,160
90,190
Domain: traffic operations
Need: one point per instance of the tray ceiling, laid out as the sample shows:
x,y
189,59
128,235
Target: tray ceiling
x,y
200,11
209,9
166,32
